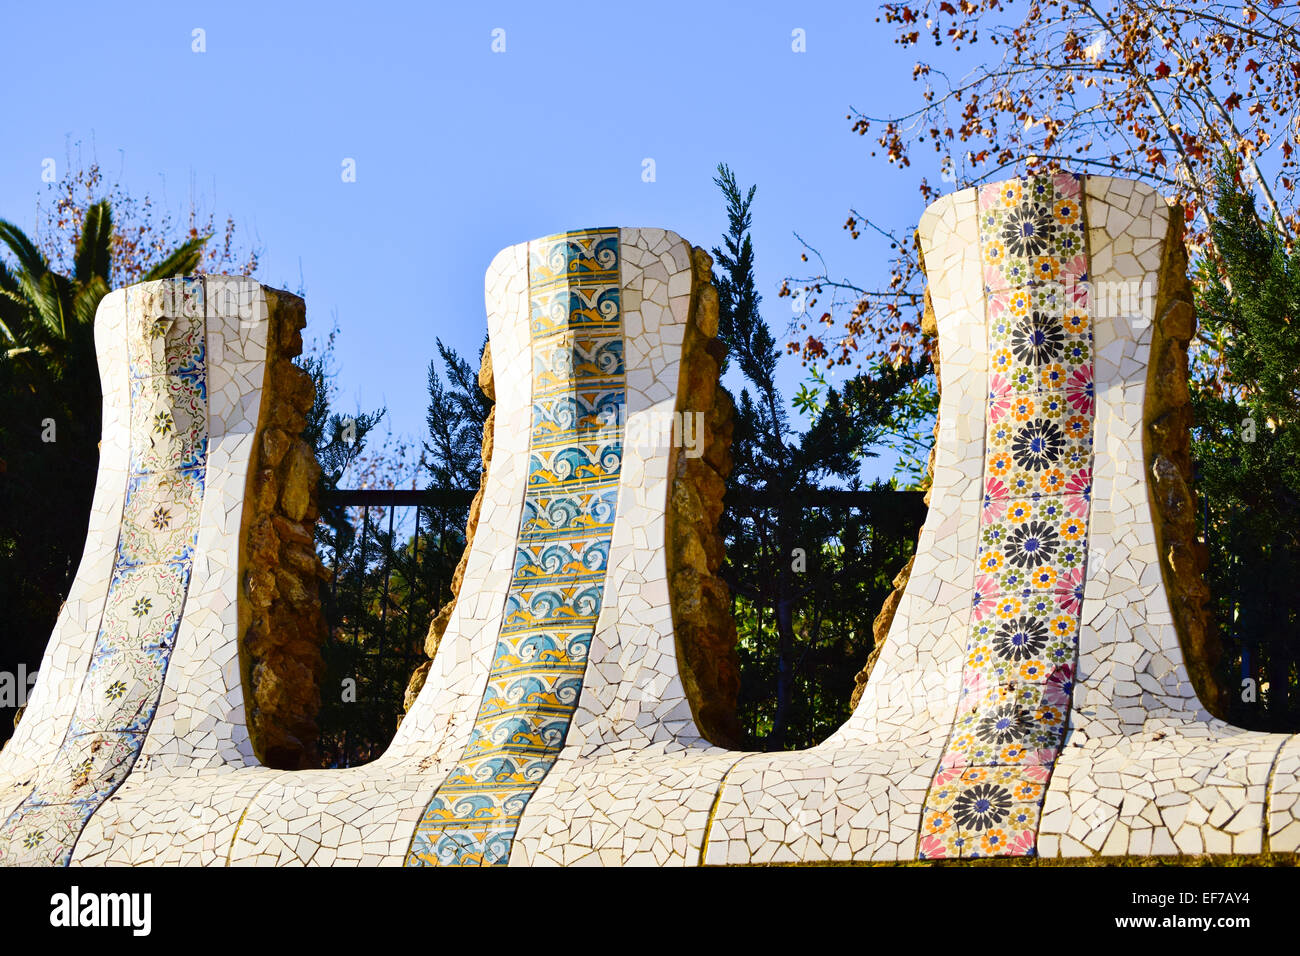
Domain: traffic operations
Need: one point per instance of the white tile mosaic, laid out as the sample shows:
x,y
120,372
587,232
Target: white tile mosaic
x,y
134,749
67,655
859,794
1145,769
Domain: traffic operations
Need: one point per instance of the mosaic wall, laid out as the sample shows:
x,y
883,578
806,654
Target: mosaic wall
x,y
1099,747
1032,554
119,695
1031,697
561,554
1146,769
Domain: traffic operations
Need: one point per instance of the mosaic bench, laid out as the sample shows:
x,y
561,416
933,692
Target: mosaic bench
x,y
1033,694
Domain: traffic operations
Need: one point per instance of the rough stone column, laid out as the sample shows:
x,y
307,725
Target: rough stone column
x,y
702,620
281,625
1167,449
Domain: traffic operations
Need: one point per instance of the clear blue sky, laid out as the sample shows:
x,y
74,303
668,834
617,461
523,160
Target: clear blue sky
x,y
460,151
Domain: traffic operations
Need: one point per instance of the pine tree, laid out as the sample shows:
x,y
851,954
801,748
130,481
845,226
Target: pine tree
x,y
809,580
1246,443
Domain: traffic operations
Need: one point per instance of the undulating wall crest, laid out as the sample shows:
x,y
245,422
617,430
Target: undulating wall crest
x,y
1036,693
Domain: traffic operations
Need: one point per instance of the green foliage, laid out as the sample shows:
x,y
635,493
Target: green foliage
x,y
808,399
50,405
807,581
908,423
390,568
897,401
1246,444
338,440
457,411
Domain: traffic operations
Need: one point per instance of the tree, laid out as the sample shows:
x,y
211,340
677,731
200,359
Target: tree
x,y
389,575
339,441
457,413
94,238
1140,88
1246,444
807,580
453,462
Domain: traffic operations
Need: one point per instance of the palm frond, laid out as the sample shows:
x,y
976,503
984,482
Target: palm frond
x,y
15,313
87,299
24,250
50,297
95,245
182,260
8,282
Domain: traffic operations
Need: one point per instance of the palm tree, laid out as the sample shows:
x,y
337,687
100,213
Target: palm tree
x,y
47,319
50,418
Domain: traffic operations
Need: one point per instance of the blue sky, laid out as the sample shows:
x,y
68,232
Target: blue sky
x,y
461,151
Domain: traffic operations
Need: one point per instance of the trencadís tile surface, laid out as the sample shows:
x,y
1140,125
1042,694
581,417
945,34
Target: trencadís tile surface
x,y
1032,696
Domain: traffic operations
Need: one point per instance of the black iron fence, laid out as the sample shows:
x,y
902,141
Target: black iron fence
x,y
1254,584
391,556
808,570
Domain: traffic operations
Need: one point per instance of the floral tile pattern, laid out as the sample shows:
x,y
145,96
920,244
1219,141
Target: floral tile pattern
x,y
1031,231
982,811
1031,558
169,427
121,689
87,772
1039,443
162,511
167,329
561,553
149,582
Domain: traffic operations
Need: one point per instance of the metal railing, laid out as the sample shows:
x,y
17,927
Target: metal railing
x,y
1254,600
390,556
393,571
391,559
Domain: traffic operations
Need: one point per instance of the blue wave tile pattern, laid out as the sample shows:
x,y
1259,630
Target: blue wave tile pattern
x,y
561,552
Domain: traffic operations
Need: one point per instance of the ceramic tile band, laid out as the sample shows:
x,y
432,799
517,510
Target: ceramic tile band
x,y
562,549
635,783
165,345
67,655
1018,677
